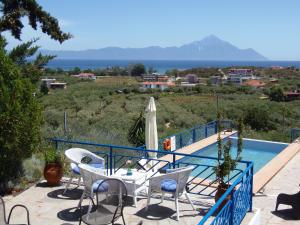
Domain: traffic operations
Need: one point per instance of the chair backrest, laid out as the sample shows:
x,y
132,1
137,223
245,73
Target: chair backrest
x,y
2,212
111,196
76,155
89,176
181,175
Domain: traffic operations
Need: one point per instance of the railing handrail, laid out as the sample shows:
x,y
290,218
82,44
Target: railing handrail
x,y
137,149
229,190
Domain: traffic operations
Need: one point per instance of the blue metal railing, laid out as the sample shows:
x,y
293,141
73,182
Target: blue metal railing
x,y
295,133
202,183
195,134
237,202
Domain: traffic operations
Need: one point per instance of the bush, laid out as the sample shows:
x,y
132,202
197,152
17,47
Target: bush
x,y
258,117
20,120
276,94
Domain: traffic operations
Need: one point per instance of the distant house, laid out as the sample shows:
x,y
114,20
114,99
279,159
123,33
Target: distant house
x,y
238,76
217,80
273,80
47,81
254,83
155,77
187,84
191,78
159,85
277,67
90,76
292,95
58,85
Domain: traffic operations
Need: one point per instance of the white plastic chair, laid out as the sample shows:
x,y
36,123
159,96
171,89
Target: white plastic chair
x,y
91,178
76,156
173,182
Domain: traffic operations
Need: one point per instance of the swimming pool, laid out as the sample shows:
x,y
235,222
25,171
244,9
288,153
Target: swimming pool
x,y
258,151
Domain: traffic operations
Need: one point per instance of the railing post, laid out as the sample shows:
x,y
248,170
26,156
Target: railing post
x,y
110,160
216,127
251,189
206,131
174,160
180,140
194,135
231,221
56,144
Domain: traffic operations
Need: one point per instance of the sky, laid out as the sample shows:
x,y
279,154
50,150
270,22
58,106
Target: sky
x,y
271,27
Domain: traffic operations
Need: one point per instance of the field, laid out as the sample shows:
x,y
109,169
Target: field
x,y
103,110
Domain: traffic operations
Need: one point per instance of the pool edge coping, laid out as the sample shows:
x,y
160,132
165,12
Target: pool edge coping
x,y
263,176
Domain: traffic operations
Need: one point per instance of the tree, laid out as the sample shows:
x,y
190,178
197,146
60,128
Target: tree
x,y
14,10
20,119
151,70
44,88
136,133
257,116
276,94
137,69
20,111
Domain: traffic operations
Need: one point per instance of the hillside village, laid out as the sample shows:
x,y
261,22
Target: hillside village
x,y
259,79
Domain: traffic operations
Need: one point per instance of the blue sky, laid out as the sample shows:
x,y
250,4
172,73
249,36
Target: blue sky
x,y
272,27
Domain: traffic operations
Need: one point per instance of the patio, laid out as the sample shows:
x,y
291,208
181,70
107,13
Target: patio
x,y
48,206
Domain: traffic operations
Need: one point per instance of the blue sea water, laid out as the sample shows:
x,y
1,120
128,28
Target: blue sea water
x,y
163,65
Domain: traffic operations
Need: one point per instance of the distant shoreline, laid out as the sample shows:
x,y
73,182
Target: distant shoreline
x,y
164,65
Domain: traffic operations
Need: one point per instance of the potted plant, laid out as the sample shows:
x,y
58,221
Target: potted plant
x,y
129,165
226,163
53,170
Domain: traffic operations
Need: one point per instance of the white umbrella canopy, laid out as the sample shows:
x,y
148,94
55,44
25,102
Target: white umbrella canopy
x,y
151,128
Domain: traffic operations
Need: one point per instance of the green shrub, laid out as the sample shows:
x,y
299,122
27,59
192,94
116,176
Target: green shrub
x,y
20,120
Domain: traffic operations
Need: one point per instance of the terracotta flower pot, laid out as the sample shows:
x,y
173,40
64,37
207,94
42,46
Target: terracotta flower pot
x,y
53,173
222,188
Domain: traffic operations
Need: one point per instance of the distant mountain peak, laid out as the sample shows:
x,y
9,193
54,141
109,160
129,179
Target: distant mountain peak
x,y
209,48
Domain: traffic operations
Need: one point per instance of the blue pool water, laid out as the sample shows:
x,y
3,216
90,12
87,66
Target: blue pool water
x,y
259,152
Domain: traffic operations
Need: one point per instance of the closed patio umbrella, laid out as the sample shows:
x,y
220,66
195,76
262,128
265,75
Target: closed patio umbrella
x,y
151,128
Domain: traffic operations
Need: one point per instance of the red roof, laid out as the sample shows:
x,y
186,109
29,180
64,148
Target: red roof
x,y
254,83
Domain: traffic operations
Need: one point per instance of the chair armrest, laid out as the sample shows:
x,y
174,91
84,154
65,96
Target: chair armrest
x,y
173,170
22,206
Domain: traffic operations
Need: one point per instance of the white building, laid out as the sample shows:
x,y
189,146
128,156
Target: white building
x,y
238,76
48,81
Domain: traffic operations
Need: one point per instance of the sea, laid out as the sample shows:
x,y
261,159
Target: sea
x,y
162,66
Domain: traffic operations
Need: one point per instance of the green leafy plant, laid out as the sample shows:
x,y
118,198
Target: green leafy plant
x,y
52,156
136,134
226,163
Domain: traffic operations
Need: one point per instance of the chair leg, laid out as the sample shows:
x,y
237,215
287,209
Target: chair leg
x,y
189,199
162,197
81,199
134,200
277,204
177,207
68,184
79,179
123,219
148,200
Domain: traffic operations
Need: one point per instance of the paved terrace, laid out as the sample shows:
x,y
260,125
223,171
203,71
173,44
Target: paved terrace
x,y
48,206
286,181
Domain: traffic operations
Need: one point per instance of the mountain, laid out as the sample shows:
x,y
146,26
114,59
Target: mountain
x,y
209,48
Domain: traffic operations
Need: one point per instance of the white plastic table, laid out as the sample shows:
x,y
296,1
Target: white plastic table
x,y
135,183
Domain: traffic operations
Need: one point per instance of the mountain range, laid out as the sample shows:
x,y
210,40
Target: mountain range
x,y
209,48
